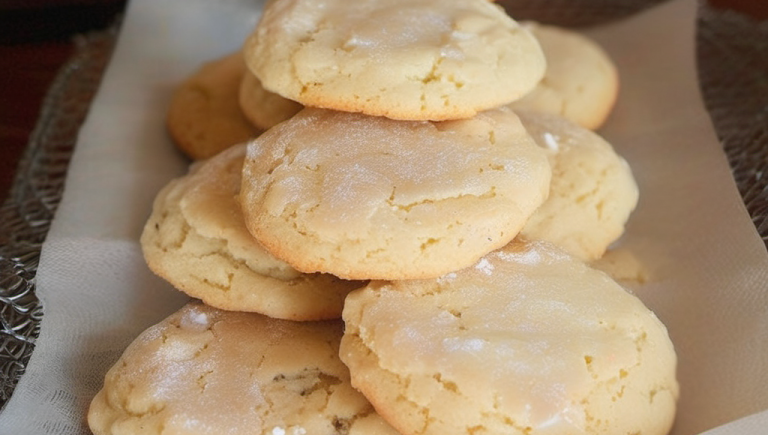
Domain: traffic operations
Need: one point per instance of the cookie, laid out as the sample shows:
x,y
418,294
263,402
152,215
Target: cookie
x,y
196,239
528,341
403,59
204,115
581,82
263,108
623,266
208,371
592,193
365,197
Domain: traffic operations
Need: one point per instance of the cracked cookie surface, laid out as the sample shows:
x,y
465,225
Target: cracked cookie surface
x,y
581,82
204,115
365,197
403,59
592,192
209,371
528,341
196,239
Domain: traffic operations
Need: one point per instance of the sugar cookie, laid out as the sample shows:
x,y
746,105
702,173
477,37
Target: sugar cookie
x,y
263,108
197,240
366,197
208,371
592,192
528,341
581,82
204,115
403,59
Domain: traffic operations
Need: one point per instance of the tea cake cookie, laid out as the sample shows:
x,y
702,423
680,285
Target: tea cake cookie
x,y
624,266
581,82
403,59
196,239
204,115
365,197
592,193
528,341
209,371
263,108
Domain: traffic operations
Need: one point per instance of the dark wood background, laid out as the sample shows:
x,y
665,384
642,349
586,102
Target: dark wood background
x,y
36,40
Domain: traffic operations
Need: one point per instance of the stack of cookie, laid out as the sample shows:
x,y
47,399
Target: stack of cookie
x,y
404,249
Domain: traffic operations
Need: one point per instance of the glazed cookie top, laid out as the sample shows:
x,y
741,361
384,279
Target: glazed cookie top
x,y
528,341
592,193
196,239
208,371
204,115
366,197
404,59
581,82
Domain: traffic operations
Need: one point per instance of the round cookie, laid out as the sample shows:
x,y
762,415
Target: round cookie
x,y
528,341
403,59
196,239
366,197
204,115
581,82
592,192
208,371
263,108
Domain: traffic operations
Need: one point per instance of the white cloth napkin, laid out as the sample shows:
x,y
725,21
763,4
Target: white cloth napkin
x,y
708,266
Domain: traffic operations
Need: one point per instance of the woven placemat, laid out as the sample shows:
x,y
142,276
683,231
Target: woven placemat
x,y
26,215
732,56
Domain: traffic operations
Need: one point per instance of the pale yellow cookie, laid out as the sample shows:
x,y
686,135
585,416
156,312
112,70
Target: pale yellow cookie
x,y
366,197
263,108
581,82
204,371
592,192
623,266
204,115
529,341
197,240
403,59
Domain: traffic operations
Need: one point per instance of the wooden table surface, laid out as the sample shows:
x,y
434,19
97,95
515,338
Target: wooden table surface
x,y
36,40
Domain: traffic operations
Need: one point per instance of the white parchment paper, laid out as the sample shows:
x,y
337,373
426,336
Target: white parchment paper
x,y
709,268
